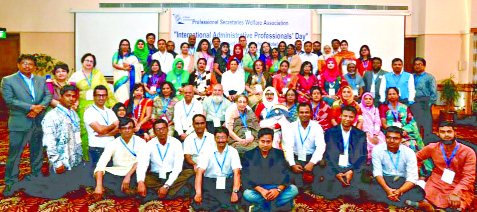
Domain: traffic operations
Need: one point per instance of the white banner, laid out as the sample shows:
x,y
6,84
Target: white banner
x,y
257,25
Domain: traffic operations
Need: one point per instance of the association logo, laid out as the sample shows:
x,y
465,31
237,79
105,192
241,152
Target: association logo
x,y
178,18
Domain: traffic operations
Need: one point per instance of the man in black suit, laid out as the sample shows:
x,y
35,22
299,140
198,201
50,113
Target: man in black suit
x,y
345,158
372,79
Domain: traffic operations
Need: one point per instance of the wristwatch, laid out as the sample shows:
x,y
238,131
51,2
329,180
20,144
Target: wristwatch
x,y
166,186
235,191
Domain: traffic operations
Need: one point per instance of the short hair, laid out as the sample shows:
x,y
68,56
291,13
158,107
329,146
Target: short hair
x,y
242,36
377,58
419,59
125,121
445,124
221,129
185,43
149,34
87,55
159,121
171,42
215,38
265,131
197,115
344,41
62,66
252,43
100,87
394,129
26,57
395,60
242,95
304,104
313,88
68,88
192,35
161,40
308,42
298,41
317,42
335,40
349,108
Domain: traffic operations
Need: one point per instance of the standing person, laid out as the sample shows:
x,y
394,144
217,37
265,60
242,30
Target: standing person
x,y
142,53
165,58
308,56
216,46
243,44
346,98
371,123
170,48
178,77
203,51
306,80
298,45
249,59
304,147
364,62
27,97
354,80
274,192
61,75
293,59
163,107
452,182
221,60
344,57
191,41
322,58
215,107
153,79
283,81
265,55
186,57
331,80
335,43
237,54
127,71
426,96
256,83
151,40
322,111
86,81
282,47
275,60
184,110
232,80
140,109
401,80
317,48
372,80
243,126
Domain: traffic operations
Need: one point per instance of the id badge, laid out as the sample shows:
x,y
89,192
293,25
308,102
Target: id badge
x,y
216,122
78,137
448,176
162,174
355,92
302,155
343,161
397,124
332,92
220,184
248,134
153,88
89,94
258,88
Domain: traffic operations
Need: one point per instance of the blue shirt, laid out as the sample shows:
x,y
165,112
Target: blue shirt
x,y
426,86
355,82
405,159
404,82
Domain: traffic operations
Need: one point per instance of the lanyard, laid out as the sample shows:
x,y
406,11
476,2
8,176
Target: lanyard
x,y
179,79
223,162
346,144
217,108
285,80
394,112
377,76
160,57
134,143
90,78
352,81
260,78
135,107
317,108
164,105
418,79
365,64
268,112
187,113
243,117
31,88
154,79
107,116
396,165
276,66
159,150
299,132
203,141
448,161
76,123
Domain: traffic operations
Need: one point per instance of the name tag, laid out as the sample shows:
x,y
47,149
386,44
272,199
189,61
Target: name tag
x,y
397,124
216,122
343,161
89,94
355,92
332,92
248,134
162,174
302,155
153,88
448,176
258,88
78,137
220,184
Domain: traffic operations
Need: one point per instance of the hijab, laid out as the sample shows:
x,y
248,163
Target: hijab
x,y
142,54
326,56
330,75
351,98
240,55
175,69
266,103
363,105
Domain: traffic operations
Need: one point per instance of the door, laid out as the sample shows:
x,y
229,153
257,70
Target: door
x,y
9,51
409,54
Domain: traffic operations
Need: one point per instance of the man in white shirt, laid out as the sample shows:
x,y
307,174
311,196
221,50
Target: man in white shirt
x,y
184,110
165,58
215,107
310,57
304,147
164,153
217,181
123,152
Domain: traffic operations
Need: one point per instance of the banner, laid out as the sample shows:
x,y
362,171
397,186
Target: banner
x,y
257,25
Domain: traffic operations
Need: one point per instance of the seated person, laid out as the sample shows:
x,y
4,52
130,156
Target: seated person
x,y
184,110
217,181
243,126
140,109
215,107
262,188
164,154
451,184
233,80
123,152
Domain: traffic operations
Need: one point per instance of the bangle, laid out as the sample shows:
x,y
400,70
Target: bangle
x,y
279,190
235,191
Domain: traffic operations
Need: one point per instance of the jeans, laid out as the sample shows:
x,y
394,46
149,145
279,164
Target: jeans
x,y
284,201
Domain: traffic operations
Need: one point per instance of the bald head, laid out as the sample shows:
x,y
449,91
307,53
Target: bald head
x,y
218,90
188,93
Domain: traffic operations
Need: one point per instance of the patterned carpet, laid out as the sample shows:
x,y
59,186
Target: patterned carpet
x,y
82,200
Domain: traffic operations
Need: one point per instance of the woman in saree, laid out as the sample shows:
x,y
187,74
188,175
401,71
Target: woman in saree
x,y
257,82
306,80
186,57
86,80
140,109
330,81
291,103
321,110
274,61
127,71
142,53
293,60
202,80
203,51
344,57
346,98
371,123
221,60
364,63
283,81
178,77
249,59
265,55
398,114
327,53
153,79
282,47
243,126
164,106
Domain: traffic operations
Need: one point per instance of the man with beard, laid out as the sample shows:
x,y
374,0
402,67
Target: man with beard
x,y
372,79
215,107
317,48
354,80
451,184
170,48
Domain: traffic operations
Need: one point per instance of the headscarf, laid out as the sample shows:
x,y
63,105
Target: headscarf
x,y
363,105
326,56
330,75
174,66
340,94
266,103
240,55
142,54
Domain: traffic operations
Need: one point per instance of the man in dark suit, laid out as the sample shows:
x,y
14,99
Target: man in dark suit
x,y
345,158
27,97
372,79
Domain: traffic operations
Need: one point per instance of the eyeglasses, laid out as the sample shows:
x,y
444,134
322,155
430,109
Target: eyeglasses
x,y
101,95
269,94
28,64
89,61
160,129
221,137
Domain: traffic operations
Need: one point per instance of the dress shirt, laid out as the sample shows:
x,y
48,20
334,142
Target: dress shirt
x,y
233,81
29,83
356,82
104,117
406,90
165,59
211,166
426,86
182,121
196,147
255,167
383,166
172,154
313,145
211,108
123,159
313,59
345,138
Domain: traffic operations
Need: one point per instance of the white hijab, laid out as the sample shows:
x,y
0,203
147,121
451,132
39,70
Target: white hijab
x,y
266,103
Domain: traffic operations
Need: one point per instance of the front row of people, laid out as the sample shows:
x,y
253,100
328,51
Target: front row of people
x,y
331,164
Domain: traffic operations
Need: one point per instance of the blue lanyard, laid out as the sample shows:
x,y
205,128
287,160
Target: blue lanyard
x,y
134,143
396,165
276,66
107,116
90,78
243,117
448,161
260,78
164,105
160,155
216,108
223,162
317,108
395,112
154,79
203,141
299,132
76,123
30,85
418,79
135,107
187,113
285,80
268,112
352,81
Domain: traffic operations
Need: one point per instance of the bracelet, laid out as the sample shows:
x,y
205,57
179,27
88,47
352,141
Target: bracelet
x,y
279,190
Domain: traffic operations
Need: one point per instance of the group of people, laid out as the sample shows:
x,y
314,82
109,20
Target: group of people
x,y
231,127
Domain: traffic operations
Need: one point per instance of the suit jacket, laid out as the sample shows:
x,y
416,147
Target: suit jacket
x,y
17,96
334,147
368,80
